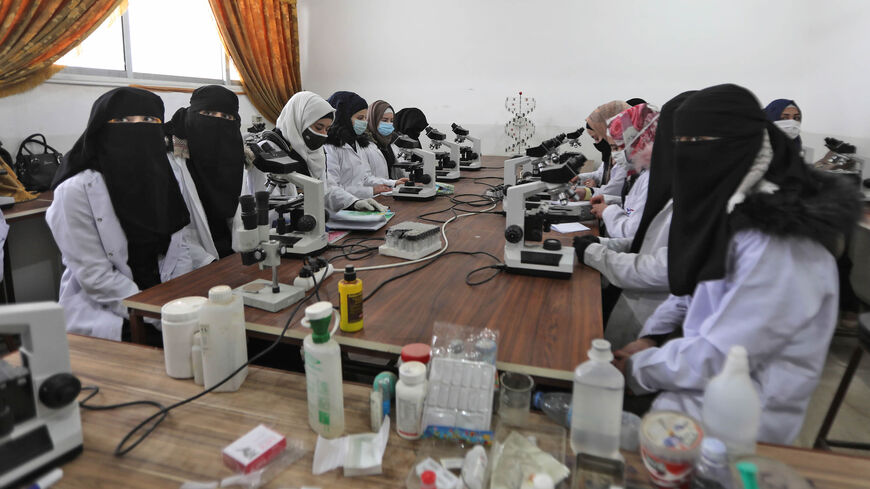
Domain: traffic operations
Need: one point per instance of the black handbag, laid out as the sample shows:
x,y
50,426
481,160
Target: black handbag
x,y
36,170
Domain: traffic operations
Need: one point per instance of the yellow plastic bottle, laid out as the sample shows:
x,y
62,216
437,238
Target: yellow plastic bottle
x,y
350,291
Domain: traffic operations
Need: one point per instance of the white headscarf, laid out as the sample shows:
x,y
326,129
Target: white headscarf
x,y
302,110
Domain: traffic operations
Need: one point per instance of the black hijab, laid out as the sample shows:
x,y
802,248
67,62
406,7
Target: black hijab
x,y
341,132
707,174
411,122
217,157
132,160
661,171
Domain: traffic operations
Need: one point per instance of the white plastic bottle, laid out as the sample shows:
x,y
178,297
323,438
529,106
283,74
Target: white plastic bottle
x,y
223,343
179,321
410,396
597,404
196,358
732,408
323,373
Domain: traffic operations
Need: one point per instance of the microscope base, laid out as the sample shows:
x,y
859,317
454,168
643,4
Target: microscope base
x,y
267,300
450,176
470,165
539,262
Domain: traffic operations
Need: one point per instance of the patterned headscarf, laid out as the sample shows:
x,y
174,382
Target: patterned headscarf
x,y
597,120
635,126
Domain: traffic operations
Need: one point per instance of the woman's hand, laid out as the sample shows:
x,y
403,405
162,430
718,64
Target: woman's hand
x,y
589,183
400,181
598,209
380,189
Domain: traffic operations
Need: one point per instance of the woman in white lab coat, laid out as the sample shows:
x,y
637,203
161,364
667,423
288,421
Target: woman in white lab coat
x,y
379,130
750,262
346,159
608,178
632,134
303,123
206,152
639,266
117,213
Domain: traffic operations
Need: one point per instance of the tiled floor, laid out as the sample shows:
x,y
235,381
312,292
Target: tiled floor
x,y
853,420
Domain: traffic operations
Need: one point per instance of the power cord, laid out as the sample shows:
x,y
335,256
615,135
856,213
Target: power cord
x,y
163,411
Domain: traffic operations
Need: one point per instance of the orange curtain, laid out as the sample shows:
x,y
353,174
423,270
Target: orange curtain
x,y
36,33
262,39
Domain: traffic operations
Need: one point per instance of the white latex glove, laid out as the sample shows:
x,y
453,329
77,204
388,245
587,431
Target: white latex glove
x,y
369,205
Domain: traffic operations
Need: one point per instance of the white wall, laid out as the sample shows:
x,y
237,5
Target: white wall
x,y
61,111
458,59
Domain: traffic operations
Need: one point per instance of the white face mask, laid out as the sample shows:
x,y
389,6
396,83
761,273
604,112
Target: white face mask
x,y
790,127
619,159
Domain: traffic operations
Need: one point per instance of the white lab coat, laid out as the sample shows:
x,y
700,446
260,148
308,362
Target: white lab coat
x,y
349,168
613,187
622,222
779,299
4,231
642,276
94,250
197,233
377,162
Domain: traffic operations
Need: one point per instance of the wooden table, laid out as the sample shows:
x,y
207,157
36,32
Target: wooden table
x,y
187,445
546,325
23,210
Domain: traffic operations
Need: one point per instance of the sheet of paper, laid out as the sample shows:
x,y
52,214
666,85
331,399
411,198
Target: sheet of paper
x,y
569,227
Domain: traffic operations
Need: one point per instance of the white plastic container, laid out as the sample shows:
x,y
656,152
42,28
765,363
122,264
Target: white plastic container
x,y
597,404
180,320
222,333
410,397
323,373
732,408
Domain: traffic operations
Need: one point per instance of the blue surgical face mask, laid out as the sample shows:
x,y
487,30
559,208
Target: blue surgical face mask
x,y
385,128
359,126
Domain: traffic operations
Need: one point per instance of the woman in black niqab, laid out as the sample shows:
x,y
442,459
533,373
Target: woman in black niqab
x,y
124,141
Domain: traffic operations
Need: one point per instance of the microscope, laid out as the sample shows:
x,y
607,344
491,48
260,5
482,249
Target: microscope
x,y
257,246
469,156
40,424
447,160
528,168
306,233
525,228
420,168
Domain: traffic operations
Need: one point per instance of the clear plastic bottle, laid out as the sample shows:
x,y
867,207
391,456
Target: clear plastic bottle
x,y
597,404
223,341
556,405
732,408
323,373
711,470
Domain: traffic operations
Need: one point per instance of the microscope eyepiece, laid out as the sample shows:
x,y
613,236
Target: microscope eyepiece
x,y
459,130
435,134
576,134
249,211
262,207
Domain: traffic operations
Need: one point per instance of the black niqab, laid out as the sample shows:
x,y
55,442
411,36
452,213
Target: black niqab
x,y
411,122
346,104
708,172
217,157
661,172
132,160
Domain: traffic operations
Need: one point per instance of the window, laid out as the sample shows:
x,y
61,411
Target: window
x,y
174,40
103,49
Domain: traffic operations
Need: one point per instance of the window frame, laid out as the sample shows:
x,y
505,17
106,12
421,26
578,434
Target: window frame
x,y
73,75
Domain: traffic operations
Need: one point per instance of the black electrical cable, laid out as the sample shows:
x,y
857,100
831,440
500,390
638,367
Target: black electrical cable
x,y
158,417
499,268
